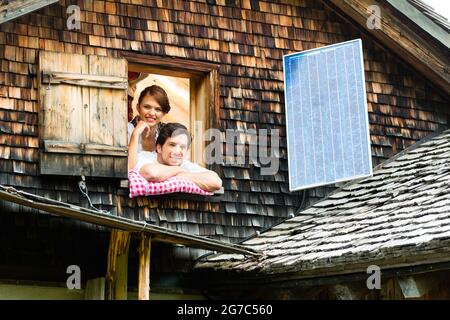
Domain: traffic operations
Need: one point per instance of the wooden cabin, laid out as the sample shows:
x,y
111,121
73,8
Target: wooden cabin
x,y
65,69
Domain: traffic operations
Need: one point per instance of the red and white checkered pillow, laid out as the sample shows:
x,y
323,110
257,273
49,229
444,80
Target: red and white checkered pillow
x,y
139,186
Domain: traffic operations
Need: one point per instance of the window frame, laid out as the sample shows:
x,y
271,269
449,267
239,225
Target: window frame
x,y
204,95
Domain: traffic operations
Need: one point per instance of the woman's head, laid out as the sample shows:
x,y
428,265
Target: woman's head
x,y
153,104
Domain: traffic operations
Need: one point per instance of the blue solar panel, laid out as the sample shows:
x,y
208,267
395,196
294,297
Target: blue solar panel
x,y
326,115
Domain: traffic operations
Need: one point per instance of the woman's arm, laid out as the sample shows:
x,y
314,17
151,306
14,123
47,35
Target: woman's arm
x,y
132,151
134,142
208,181
159,172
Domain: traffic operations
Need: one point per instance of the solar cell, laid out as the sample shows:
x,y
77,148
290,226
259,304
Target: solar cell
x,y
326,115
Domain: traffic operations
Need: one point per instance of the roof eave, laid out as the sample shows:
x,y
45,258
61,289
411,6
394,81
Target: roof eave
x,y
399,35
158,234
420,19
231,281
15,9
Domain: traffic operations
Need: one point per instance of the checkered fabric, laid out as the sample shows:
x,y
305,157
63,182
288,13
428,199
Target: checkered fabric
x,y
139,186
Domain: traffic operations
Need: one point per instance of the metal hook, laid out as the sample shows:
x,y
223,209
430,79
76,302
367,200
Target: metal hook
x,y
50,77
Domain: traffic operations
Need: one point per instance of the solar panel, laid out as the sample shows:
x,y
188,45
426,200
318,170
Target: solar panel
x,y
326,115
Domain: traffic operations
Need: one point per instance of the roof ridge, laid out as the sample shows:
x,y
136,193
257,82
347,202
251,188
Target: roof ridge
x,y
431,13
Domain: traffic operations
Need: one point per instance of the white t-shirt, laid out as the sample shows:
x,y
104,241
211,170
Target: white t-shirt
x,y
149,157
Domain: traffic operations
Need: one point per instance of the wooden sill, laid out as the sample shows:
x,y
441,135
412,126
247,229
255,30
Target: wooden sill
x,y
216,197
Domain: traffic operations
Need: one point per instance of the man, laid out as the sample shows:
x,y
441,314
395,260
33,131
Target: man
x,y
172,145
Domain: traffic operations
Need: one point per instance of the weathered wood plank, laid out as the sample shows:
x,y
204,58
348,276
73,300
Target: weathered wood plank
x,y
102,166
106,119
117,272
95,289
174,63
61,107
144,267
81,148
87,165
80,119
199,98
84,80
63,164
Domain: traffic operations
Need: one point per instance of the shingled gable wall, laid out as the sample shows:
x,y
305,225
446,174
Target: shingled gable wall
x,y
248,40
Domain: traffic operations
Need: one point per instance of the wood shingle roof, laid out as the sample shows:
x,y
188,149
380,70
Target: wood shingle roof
x,y
399,215
431,13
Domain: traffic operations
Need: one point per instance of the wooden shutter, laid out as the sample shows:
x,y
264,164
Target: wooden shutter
x,y
83,115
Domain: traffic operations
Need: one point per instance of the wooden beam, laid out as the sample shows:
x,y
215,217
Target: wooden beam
x,y
84,148
214,107
144,267
171,72
422,20
223,280
117,222
214,103
401,37
172,63
84,80
117,272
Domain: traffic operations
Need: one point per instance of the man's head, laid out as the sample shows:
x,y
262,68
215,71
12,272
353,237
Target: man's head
x,y
172,144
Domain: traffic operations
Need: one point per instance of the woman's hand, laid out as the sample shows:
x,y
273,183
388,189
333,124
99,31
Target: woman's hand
x,y
140,128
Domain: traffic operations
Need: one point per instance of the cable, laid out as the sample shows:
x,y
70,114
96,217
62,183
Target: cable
x,y
302,203
84,191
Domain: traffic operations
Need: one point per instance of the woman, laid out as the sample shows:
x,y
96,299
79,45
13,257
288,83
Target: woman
x,y
153,105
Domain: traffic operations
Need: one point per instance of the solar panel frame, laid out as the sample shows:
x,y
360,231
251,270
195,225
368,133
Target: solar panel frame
x,y
297,187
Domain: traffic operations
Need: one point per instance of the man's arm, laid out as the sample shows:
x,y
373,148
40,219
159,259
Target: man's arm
x,y
208,181
159,172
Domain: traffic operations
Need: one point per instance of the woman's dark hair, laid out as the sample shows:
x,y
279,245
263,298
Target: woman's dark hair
x,y
172,129
159,94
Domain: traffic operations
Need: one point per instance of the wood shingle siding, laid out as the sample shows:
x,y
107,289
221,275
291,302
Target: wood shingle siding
x,y
248,40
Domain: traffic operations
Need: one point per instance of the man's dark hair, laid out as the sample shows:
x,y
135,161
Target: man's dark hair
x,y
172,129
